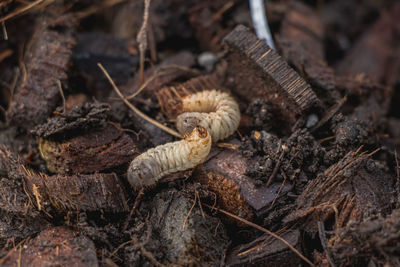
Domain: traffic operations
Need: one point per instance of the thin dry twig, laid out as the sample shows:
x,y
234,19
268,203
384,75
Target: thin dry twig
x,y
3,26
190,211
280,188
5,54
62,95
138,112
164,70
20,11
142,38
275,171
11,251
96,8
397,175
322,238
263,230
135,205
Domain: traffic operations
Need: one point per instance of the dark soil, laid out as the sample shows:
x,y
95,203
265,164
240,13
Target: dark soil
x,y
314,159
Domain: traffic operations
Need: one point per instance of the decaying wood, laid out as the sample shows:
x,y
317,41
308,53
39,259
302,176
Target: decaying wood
x,y
255,70
301,44
225,174
74,122
99,191
46,62
266,250
350,190
376,52
98,150
16,209
181,223
56,246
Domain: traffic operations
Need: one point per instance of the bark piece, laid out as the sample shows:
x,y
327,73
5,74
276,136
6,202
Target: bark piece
x,y
376,52
255,70
378,238
74,122
350,190
95,192
18,217
267,251
57,246
192,238
225,174
46,63
301,41
95,151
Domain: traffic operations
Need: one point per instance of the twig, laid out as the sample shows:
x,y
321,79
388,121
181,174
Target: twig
x,y
62,95
135,205
260,22
280,188
397,174
5,54
138,112
163,70
263,230
190,211
275,171
142,38
217,16
121,246
150,256
322,238
95,8
21,10
5,114
2,260
3,26
144,85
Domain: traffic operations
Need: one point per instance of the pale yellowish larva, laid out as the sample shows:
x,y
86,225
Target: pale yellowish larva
x,y
216,111
146,169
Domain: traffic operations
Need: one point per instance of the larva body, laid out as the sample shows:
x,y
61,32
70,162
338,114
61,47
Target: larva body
x,y
216,111
146,169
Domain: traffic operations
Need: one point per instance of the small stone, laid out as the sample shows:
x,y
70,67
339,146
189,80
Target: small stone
x,y
312,120
207,60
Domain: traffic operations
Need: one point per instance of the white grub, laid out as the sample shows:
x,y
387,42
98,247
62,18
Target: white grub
x,y
146,169
216,111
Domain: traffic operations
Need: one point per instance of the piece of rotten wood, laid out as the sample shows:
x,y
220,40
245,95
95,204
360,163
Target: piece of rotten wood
x,y
301,43
97,150
225,174
350,190
376,52
266,250
19,219
194,237
57,246
255,70
46,62
93,192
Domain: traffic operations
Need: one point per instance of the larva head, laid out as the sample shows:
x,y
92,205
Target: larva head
x,y
198,133
186,122
141,173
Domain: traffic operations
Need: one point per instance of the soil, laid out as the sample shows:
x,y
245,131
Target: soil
x,y
314,158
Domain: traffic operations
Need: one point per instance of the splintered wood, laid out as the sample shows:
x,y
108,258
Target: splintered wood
x,y
255,70
93,192
46,62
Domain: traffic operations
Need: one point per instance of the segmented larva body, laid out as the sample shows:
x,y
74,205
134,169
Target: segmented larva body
x,y
216,111
146,169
